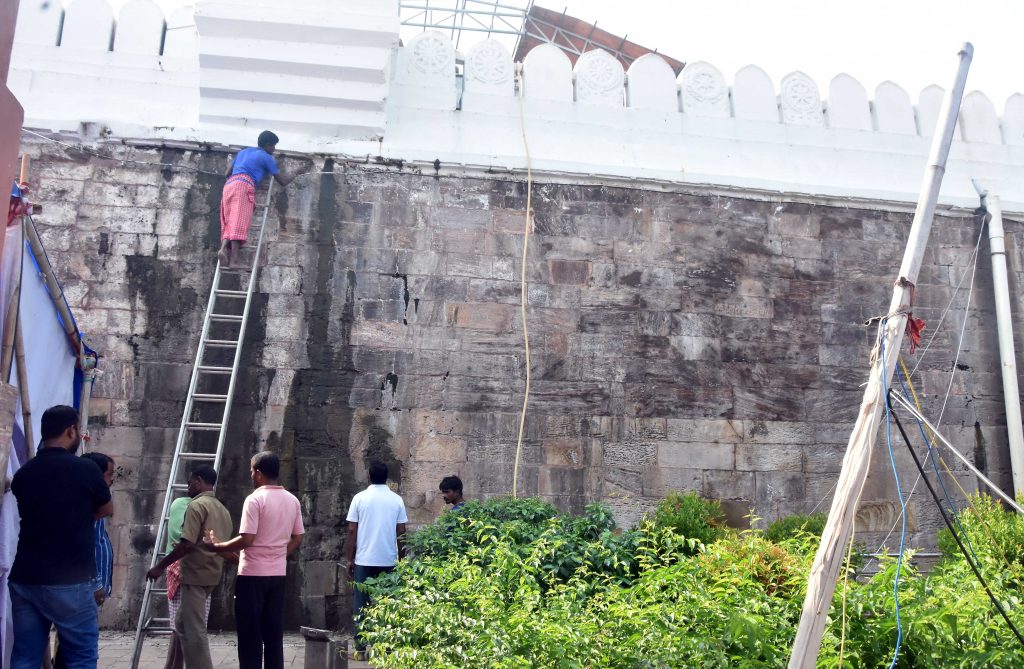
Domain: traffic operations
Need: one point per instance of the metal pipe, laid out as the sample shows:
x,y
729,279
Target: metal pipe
x,y
821,583
1004,326
88,379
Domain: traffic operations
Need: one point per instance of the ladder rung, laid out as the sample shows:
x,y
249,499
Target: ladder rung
x,y
214,427
159,591
231,293
226,318
207,397
222,343
198,456
212,369
178,486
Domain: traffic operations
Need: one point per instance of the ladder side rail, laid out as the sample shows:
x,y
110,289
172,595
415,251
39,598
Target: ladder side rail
x,y
161,535
241,331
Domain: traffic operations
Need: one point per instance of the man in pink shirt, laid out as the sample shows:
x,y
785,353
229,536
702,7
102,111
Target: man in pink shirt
x,y
270,531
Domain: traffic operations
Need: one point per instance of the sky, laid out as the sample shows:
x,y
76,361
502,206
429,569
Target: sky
x,y
911,42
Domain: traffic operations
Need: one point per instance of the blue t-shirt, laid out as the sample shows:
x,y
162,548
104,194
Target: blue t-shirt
x,y
254,162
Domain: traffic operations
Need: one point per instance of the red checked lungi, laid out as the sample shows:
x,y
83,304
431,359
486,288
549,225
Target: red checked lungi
x,y
237,204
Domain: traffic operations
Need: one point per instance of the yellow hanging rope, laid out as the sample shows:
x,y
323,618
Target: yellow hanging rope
x,y
846,579
527,227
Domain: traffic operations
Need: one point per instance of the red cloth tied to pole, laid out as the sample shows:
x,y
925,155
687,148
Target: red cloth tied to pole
x,y
915,326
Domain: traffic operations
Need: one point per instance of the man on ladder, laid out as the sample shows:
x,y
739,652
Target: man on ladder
x,y
238,201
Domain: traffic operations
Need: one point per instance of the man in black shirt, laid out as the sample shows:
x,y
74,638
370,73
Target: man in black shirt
x,y
51,583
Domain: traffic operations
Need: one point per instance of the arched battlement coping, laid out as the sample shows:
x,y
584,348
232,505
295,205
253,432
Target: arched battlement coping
x,y
799,100
88,24
140,28
600,79
1013,120
848,106
181,39
704,91
39,22
753,95
547,74
652,84
893,111
928,105
489,71
978,119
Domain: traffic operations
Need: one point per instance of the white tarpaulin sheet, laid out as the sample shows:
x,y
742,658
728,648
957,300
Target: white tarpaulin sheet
x,y
50,367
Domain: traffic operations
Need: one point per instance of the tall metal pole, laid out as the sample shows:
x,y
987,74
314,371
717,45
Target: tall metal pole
x,y
825,571
1007,354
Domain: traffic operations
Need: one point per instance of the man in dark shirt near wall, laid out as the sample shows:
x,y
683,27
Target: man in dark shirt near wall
x,y
59,498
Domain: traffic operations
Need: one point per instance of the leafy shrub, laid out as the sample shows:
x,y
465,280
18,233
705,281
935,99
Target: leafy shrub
x,y
796,525
518,585
691,516
990,529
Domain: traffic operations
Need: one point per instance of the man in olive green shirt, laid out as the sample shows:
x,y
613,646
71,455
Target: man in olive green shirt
x,y
200,570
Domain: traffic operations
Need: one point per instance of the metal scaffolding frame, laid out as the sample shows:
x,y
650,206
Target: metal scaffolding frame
x,y
504,17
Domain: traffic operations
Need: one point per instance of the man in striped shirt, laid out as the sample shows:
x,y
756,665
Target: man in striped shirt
x,y
104,550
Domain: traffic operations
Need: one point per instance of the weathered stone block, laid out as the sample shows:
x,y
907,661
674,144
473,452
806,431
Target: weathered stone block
x,y
696,456
768,457
720,484
440,448
569,272
705,431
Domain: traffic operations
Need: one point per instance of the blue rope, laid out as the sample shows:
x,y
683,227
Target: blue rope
x,y
903,504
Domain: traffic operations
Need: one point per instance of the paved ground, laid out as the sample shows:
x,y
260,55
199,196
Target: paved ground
x,y
116,651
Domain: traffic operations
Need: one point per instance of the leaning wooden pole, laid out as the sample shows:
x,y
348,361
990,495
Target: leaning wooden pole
x,y
821,583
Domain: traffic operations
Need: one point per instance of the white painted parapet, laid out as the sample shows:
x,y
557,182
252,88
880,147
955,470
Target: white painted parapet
x,y
1013,120
332,78
98,74
753,95
652,84
894,113
848,104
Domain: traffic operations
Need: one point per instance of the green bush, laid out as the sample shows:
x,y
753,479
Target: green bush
x,y
517,585
990,530
796,525
691,516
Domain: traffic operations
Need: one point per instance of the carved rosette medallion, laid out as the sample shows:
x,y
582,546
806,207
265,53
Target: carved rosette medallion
x,y
431,54
489,63
599,78
705,92
801,103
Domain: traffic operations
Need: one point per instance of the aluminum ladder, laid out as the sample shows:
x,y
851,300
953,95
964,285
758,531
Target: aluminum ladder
x,y
204,421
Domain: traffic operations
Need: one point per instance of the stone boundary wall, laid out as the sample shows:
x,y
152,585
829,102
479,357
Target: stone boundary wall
x,y
681,340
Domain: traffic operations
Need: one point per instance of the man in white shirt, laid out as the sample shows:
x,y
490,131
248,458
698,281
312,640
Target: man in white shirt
x,y
376,536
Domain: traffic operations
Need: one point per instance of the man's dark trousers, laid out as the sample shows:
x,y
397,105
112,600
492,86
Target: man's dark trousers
x,y
361,598
259,616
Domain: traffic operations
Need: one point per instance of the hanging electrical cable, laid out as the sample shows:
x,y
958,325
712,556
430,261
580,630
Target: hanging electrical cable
x,y
949,525
953,370
527,229
899,494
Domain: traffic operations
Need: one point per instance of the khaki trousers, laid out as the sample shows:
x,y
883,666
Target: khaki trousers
x,y
190,626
